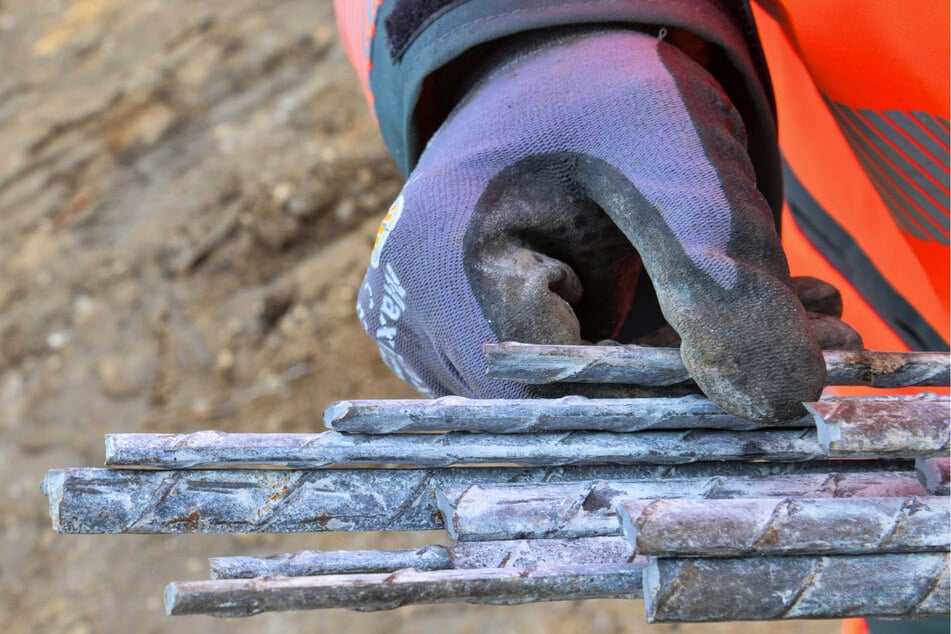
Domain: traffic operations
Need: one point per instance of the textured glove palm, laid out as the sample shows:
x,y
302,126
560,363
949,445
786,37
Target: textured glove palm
x,y
561,177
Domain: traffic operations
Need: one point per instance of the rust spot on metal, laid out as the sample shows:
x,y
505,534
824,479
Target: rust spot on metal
x,y
599,499
876,364
190,521
770,537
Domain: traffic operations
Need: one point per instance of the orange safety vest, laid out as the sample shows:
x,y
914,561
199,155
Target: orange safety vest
x,y
862,96
862,91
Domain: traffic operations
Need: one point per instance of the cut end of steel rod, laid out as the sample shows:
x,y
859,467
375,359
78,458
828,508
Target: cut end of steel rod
x,y
447,508
171,599
53,485
935,474
335,412
628,516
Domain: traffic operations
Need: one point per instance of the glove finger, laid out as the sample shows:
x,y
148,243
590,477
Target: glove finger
x,y
686,197
818,296
834,334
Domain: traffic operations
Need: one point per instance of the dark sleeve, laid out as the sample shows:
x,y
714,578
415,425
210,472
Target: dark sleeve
x,y
423,48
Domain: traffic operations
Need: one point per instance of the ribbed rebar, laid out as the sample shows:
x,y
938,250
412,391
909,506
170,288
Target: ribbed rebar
x,y
790,526
768,588
586,509
639,365
289,501
898,429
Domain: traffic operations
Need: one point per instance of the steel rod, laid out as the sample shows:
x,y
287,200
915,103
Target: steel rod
x,y
791,526
529,553
898,429
370,592
290,501
314,562
638,365
935,475
509,416
309,451
495,554
768,588
588,509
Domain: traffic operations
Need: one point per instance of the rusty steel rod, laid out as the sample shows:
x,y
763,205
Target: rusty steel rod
x,y
530,553
768,588
588,509
309,451
290,501
225,501
495,554
935,475
511,416
790,526
315,562
387,591
639,365
896,429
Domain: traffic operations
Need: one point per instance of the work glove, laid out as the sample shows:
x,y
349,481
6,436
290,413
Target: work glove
x,y
577,177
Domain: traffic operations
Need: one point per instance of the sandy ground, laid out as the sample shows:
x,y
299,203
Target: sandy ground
x,y
188,193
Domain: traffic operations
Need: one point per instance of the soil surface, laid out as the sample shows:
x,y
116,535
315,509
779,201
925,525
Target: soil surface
x,y
188,195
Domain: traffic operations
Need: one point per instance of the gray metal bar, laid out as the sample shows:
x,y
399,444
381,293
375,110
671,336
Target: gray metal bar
x,y
768,588
222,501
309,451
529,553
314,562
639,365
791,526
588,509
289,501
496,554
508,416
935,475
897,429
369,592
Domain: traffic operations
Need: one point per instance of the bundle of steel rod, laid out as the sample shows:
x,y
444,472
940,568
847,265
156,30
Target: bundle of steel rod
x,y
657,498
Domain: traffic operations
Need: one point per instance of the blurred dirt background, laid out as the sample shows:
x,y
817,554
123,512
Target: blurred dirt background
x,y
188,195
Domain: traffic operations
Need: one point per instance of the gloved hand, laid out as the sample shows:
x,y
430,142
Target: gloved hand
x,y
561,178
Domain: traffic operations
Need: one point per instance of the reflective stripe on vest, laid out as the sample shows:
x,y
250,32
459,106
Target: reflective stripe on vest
x,y
866,146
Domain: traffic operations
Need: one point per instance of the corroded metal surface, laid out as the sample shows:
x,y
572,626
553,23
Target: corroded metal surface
x,y
767,588
288,501
898,429
507,416
529,553
530,363
586,509
368,592
740,527
935,475
308,451
495,554
314,562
